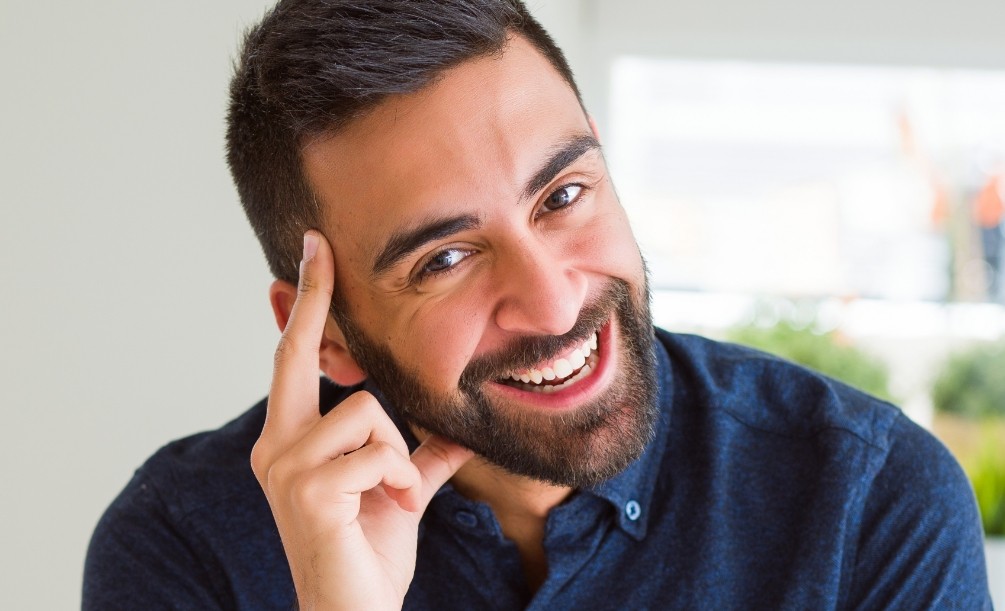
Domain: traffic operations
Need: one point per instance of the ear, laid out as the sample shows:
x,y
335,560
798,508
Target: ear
x,y
593,127
333,356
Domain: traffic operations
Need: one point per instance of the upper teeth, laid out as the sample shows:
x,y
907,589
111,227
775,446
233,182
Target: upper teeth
x,y
560,368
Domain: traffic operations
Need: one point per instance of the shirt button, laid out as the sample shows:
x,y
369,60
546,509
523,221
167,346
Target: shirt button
x,y
466,518
633,510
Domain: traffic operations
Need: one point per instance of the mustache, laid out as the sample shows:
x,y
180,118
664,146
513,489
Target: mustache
x,y
525,352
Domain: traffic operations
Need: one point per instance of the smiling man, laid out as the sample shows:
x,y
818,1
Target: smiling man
x,y
498,297
499,425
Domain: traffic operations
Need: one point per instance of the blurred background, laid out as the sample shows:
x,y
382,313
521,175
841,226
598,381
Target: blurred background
x,y
822,181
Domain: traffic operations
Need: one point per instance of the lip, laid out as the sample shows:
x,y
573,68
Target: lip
x,y
575,395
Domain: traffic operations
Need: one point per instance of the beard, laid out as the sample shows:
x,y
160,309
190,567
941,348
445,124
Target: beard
x,y
579,447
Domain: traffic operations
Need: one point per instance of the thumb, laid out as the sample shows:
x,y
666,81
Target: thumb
x,y
437,459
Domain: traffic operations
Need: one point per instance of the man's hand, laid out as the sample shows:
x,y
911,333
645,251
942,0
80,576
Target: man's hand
x,y
345,494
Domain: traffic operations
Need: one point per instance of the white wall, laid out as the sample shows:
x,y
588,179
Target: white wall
x,y
134,303
134,296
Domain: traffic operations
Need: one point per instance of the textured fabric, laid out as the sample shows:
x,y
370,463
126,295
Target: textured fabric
x,y
767,487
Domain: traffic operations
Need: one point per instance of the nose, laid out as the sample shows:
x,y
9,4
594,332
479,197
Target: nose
x,y
540,293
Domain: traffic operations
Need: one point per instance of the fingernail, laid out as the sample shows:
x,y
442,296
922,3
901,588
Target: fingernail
x,y
310,246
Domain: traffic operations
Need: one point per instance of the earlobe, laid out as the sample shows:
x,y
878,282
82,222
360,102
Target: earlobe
x,y
333,355
334,358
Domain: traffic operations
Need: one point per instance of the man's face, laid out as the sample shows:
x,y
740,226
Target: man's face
x,y
488,280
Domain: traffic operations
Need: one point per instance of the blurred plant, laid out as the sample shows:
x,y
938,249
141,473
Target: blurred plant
x,y
972,383
987,474
825,352
971,388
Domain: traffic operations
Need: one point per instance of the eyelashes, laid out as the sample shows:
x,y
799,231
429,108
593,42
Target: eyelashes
x,y
442,262
560,197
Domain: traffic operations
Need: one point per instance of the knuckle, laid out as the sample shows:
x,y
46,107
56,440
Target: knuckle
x,y
314,493
280,473
285,349
306,491
307,283
354,400
367,406
383,451
259,461
352,408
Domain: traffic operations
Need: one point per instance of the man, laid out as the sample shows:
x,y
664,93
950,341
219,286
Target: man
x,y
500,427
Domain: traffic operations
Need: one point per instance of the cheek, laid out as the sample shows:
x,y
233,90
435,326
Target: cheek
x,y
607,246
441,337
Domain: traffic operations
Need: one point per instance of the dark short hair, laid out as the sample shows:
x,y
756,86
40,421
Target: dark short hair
x,y
311,66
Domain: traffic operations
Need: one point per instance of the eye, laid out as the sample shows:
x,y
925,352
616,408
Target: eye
x,y
562,197
442,261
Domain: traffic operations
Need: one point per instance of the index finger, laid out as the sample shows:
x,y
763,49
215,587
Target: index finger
x,y
293,400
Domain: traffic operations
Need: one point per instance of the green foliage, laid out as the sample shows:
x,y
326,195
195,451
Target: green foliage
x,y
971,386
823,352
972,383
987,474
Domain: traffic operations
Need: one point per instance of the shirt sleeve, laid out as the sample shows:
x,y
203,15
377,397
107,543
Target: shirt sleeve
x,y
921,543
138,558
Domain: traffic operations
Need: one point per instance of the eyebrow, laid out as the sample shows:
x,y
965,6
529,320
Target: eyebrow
x,y
565,154
406,241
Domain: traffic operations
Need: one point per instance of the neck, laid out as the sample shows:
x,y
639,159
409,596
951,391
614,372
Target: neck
x,y
521,506
508,495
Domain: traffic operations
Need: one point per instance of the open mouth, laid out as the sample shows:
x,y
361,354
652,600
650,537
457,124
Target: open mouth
x,y
577,363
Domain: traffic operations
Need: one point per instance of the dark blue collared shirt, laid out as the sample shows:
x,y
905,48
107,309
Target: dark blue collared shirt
x,y
767,486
